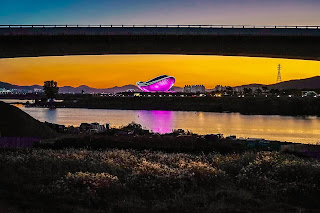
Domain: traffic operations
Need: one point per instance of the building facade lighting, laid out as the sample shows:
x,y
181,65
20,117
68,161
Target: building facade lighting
x,y
161,83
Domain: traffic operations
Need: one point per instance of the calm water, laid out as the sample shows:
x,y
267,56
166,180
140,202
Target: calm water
x,y
283,128
10,101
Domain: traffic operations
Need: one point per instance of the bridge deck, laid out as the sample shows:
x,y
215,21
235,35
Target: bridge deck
x,y
283,42
52,30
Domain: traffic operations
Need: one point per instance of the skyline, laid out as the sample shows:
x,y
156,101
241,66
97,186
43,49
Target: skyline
x,y
243,12
117,70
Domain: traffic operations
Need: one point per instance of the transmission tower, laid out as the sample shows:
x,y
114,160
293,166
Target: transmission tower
x,y
279,74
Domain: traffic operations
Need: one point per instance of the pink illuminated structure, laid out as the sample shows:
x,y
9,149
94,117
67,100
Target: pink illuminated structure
x,y
161,83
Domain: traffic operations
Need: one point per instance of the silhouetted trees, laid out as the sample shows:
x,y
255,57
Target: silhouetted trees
x,y
247,91
258,91
265,89
229,90
51,89
274,91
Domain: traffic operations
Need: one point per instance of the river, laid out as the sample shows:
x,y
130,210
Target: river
x,y
270,127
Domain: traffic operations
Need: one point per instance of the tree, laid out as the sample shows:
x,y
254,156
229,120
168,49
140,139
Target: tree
x,y
258,91
247,91
229,90
274,91
51,89
265,89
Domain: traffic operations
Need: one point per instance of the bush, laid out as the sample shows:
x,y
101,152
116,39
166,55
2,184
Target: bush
x,y
74,180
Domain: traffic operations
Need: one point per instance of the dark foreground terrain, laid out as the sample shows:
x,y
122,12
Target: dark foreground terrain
x,y
16,123
144,172
96,179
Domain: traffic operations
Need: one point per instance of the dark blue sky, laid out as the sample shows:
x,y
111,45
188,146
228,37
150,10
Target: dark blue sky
x,y
266,12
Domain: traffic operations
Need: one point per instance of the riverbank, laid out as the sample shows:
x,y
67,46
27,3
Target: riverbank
x,y
129,169
299,129
260,105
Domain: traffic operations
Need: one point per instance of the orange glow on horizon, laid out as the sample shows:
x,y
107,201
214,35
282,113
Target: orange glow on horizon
x,y
118,70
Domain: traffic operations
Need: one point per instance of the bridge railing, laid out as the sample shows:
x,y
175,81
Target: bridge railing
x,y
162,26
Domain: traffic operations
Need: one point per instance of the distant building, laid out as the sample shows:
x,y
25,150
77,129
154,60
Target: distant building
x,y
4,91
220,88
187,89
194,89
309,94
92,128
237,89
36,90
198,88
130,90
96,127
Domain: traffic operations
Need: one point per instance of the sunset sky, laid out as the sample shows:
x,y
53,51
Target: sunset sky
x,y
252,12
118,70
113,70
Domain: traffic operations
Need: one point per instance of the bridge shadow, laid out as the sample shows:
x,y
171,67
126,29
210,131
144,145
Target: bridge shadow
x,y
279,43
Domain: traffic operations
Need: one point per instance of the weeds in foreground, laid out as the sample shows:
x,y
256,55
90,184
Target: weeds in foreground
x,y
146,181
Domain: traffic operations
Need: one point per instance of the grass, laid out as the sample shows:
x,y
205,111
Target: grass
x,y
126,180
165,143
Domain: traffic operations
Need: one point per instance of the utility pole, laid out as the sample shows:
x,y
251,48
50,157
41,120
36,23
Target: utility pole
x,y
279,74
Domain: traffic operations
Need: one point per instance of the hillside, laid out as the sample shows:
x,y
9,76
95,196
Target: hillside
x,y
12,86
87,89
250,86
16,123
307,83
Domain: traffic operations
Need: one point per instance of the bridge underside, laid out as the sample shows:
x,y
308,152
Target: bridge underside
x,y
294,47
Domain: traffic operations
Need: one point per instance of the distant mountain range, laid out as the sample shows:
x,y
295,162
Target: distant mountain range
x,y
308,83
85,88
12,86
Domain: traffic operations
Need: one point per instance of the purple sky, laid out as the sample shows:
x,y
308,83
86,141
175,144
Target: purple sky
x,y
250,12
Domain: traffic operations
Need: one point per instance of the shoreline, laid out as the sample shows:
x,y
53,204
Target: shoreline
x,y
160,109
249,105
287,137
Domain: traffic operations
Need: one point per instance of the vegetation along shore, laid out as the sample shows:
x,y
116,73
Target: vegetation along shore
x,y
272,105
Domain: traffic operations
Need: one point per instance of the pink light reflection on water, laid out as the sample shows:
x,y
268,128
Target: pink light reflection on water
x,y
156,120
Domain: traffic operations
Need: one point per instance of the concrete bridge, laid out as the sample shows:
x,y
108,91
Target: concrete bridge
x,y
297,42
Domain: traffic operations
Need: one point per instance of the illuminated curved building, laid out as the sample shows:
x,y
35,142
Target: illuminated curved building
x,y
161,83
